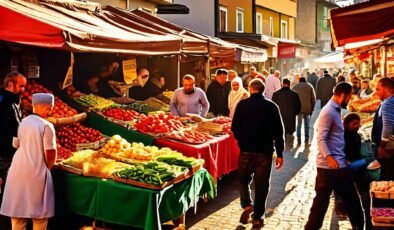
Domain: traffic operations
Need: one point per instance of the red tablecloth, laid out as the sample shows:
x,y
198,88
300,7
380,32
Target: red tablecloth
x,y
220,154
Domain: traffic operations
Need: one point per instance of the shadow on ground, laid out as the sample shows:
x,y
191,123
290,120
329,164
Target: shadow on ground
x,y
228,188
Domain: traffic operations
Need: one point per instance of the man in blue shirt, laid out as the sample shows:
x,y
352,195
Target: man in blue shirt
x,y
383,127
332,170
189,99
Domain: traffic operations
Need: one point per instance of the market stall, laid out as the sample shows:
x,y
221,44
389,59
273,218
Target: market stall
x,y
365,31
115,176
123,204
220,154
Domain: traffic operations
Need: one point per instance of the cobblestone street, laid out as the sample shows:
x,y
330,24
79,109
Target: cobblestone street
x,y
288,204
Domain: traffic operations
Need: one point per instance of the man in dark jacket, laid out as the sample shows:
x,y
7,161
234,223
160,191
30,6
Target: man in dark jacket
x,y
307,96
217,94
312,79
290,105
10,117
257,125
324,88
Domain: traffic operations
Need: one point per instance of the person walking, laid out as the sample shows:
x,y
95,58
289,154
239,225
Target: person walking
x,y
312,79
10,117
29,190
236,95
307,96
217,94
324,88
272,84
383,127
189,99
290,105
333,173
257,132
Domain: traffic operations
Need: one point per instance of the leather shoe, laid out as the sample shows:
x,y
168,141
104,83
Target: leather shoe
x,y
245,215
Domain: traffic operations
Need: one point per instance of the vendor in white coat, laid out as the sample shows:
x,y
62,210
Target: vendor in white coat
x,y
29,192
236,94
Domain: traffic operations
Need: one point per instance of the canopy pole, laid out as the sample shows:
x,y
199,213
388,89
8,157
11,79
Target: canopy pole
x,y
178,71
385,61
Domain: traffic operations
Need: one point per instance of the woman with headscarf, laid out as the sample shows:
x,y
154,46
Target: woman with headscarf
x,y
237,93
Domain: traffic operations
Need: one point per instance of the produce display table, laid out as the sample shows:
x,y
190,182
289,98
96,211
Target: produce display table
x,y
124,204
220,154
108,128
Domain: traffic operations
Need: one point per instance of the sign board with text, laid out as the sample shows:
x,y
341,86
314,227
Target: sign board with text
x,y
286,50
129,70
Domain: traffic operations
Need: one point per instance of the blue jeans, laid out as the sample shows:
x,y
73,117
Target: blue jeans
x,y
300,118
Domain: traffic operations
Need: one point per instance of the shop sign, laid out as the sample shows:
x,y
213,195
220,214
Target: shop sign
x,y
221,63
129,70
286,50
68,80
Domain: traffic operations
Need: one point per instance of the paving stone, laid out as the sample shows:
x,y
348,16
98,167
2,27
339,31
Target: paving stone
x,y
288,203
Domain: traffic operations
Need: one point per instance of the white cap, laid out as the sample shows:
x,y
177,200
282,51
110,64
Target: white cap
x,y
43,98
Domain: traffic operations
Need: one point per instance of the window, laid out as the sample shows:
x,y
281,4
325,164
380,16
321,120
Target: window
x,y
223,18
283,29
259,23
325,18
240,20
271,27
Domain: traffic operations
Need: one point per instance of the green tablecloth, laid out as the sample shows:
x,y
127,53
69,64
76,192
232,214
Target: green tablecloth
x,y
108,128
123,204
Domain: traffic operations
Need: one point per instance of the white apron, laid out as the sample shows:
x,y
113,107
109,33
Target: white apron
x,y
29,189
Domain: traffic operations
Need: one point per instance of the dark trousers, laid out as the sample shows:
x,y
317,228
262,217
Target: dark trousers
x,y
341,182
256,166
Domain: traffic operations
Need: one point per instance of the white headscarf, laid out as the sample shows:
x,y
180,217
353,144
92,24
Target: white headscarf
x,y
236,96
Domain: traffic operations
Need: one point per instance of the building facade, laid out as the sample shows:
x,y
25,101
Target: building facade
x,y
275,23
313,31
147,5
195,20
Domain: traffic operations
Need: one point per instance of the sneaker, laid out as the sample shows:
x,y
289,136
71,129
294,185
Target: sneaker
x,y
373,165
257,224
246,215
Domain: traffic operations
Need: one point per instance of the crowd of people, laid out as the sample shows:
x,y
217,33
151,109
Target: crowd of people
x,y
266,112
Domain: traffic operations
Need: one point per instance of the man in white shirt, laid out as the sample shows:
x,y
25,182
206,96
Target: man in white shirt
x,y
272,84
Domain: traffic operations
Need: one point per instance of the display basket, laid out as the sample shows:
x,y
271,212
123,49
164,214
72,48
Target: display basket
x,y
141,184
68,168
126,124
386,218
383,225
380,194
383,219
